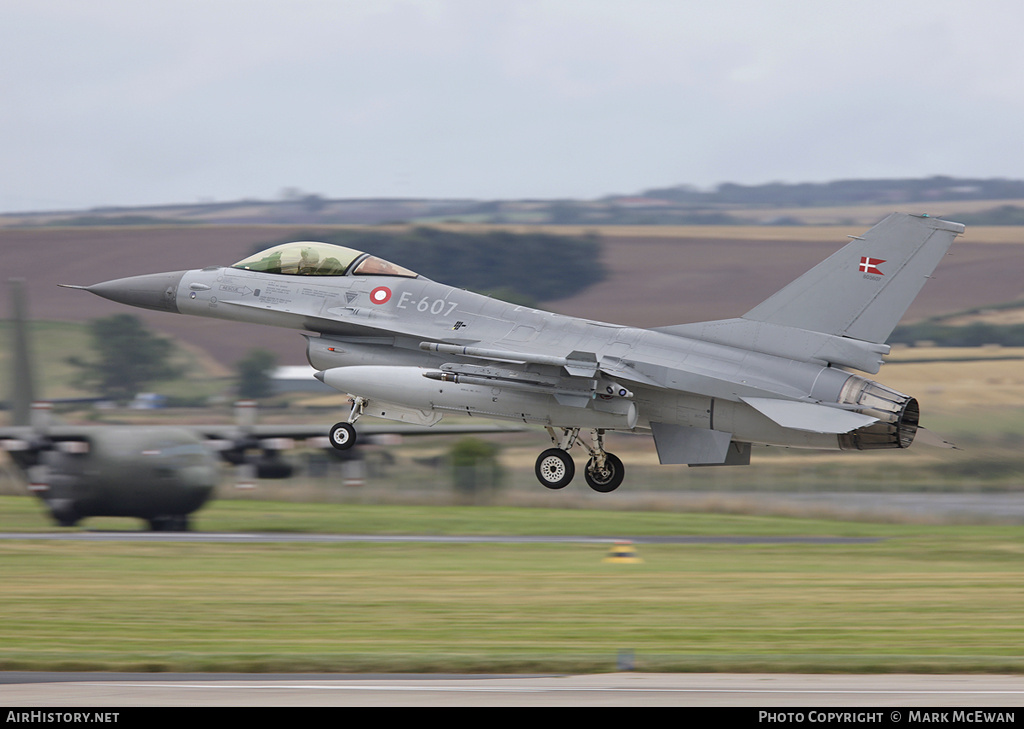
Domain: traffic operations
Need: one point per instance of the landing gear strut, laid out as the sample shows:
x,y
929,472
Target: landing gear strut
x,y
604,471
343,435
555,467
607,478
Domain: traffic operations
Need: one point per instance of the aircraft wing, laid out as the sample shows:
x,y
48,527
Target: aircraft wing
x,y
15,432
316,435
347,321
582,374
25,437
574,380
24,441
577,364
314,431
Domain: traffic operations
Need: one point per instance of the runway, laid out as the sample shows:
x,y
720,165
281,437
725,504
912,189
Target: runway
x,y
242,538
616,689
891,692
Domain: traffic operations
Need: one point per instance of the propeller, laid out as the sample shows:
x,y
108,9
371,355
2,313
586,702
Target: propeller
x,y
253,457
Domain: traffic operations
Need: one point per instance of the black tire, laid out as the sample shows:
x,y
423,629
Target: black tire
x,y
609,478
170,523
64,515
554,468
343,436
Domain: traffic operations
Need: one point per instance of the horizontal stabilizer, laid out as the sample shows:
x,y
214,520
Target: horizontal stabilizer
x,y
808,416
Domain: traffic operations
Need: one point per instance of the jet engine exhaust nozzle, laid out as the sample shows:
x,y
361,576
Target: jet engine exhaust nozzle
x,y
898,416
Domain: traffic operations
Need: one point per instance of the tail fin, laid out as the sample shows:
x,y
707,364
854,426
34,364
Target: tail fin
x,y
22,389
863,290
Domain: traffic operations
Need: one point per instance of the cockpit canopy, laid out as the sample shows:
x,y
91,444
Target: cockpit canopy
x,y
309,258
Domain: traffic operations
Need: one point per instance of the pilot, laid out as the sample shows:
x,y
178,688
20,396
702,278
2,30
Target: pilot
x,y
308,261
270,264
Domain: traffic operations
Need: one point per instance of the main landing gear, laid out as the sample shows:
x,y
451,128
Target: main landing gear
x,y
555,467
343,435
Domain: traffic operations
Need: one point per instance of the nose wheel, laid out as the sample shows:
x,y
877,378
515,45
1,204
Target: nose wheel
x,y
343,435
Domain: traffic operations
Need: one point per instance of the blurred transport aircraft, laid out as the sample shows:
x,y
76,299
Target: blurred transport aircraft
x,y
158,473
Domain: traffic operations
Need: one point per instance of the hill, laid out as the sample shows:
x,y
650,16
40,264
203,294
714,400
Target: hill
x,y
979,201
656,275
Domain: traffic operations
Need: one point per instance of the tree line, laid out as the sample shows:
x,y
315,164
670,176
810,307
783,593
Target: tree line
x,y
977,334
846,192
526,267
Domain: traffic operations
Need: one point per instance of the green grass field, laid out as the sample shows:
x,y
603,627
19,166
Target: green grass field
x,y
922,598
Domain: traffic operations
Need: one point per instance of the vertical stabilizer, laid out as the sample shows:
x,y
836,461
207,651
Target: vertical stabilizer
x,y
863,290
22,391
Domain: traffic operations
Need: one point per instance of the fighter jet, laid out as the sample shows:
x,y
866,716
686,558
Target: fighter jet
x,y
158,473
414,350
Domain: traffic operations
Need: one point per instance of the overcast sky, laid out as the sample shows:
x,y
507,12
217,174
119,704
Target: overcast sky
x,y
122,102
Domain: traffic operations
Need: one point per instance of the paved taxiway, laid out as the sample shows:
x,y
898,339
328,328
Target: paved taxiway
x,y
242,538
617,689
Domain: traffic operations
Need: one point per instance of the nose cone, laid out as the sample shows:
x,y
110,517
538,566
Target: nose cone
x,y
157,291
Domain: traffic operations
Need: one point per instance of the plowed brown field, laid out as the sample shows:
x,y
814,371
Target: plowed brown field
x,y
656,277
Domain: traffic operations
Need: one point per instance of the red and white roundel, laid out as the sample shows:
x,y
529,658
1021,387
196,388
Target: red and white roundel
x,y
380,295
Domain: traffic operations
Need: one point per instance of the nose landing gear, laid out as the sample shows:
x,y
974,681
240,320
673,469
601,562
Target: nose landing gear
x,y
343,435
555,468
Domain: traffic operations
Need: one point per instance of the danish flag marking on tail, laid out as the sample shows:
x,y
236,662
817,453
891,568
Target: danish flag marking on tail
x,y
870,265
